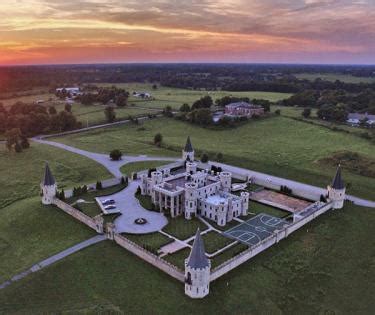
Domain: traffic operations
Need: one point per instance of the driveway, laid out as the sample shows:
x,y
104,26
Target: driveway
x,y
112,166
131,209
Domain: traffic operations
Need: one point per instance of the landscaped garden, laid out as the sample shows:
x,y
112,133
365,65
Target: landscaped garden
x,y
182,228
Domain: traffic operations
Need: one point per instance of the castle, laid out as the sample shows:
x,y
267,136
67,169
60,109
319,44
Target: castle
x,y
195,192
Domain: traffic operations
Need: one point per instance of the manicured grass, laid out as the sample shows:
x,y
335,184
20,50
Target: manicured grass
x,y
325,266
347,78
22,172
146,202
178,258
182,228
279,146
154,240
91,208
140,166
30,232
213,241
228,254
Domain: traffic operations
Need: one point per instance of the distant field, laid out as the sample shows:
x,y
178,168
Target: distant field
x,y
176,97
278,145
347,78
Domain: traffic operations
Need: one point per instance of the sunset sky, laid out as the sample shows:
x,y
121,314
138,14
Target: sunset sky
x,y
90,31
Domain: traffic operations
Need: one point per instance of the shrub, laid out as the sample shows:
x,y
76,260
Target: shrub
x,y
99,185
115,155
278,112
158,138
204,158
219,156
306,112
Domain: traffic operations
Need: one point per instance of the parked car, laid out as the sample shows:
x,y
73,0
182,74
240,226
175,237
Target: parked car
x,y
110,207
108,202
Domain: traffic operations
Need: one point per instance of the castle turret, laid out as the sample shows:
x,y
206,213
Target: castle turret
x,y
48,186
188,151
144,184
336,192
197,270
191,167
221,214
226,181
191,200
245,196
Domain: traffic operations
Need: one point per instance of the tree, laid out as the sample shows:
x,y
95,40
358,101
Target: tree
x,y
25,144
167,111
115,155
68,108
158,139
122,100
110,114
52,110
18,147
203,102
12,138
219,156
278,112
99,185
154,87
306,112
204,158
202,116
185,108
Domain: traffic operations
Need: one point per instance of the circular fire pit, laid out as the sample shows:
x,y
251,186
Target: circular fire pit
x,y
140,221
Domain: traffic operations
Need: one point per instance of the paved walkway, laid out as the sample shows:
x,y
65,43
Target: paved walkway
x,y
290,183
131,209
49,261
112,166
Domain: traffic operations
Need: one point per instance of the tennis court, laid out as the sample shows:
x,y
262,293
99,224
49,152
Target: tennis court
x,y
256,229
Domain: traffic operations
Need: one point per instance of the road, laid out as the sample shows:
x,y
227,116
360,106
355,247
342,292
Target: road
x,y
131,209
290,183
112,166
49,261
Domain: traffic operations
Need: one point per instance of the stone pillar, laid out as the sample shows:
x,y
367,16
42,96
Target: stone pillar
x,y
172,207
110,229
99,221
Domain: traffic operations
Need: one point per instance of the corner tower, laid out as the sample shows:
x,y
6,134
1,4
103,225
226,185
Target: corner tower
x,y
48,186
197,270
188,151
336,192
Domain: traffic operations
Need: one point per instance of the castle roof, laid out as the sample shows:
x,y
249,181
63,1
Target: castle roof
x,y
188,146
337,182
48,180
197,258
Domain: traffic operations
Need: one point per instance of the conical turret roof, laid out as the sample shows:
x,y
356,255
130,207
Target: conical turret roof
x,y
337,182
197,258
49,180
188,146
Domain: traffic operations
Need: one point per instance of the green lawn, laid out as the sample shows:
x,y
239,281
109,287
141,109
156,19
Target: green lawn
x,y
154,240
30,232
279,146
21,173
213,241
324,268
91,208
256,207
228,254
178,258
182,228
140,166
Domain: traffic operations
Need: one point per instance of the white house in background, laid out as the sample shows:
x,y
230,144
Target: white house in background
x,y
73,91
355,119
142,94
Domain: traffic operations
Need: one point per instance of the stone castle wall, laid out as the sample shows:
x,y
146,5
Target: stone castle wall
x,y
152,259
80,216
264,244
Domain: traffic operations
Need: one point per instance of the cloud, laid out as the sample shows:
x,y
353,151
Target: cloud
x,y
266,27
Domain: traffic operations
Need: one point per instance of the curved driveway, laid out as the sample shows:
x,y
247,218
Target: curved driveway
x,y
112,166
131,209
